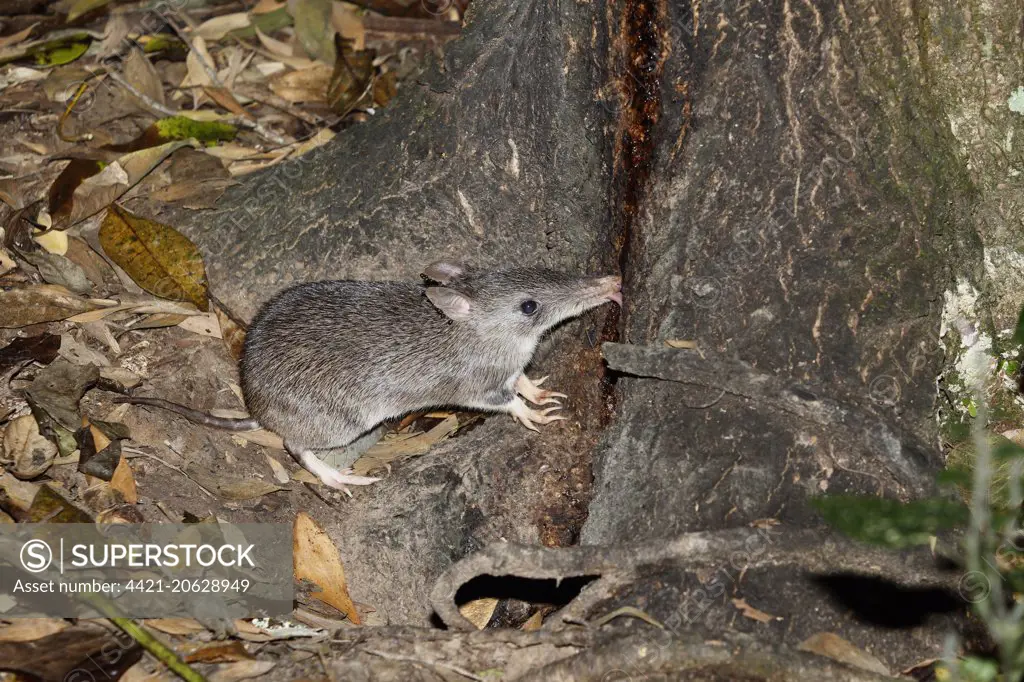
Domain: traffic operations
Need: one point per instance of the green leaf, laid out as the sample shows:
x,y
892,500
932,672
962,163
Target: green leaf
x,y
266,23
59,56
955,476
84,7
889,522
1005,449
974,669
183,128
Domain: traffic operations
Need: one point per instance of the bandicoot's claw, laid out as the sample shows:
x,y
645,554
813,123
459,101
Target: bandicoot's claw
x,y
344,478
529,390
527,416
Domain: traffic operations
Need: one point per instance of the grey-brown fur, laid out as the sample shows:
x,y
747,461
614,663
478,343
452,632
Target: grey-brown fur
x,y
326,361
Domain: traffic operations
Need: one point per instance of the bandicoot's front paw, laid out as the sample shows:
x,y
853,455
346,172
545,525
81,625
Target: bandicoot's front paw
x,y
538,396
531,417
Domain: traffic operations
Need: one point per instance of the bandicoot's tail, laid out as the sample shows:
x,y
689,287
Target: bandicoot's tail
x,y
194,416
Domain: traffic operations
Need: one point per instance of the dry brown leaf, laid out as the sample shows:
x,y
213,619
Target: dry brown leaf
x,y
79,354
216,28
30,629
831,645
17,495
40,303
99,439
204,325
230,151
18,75
15,38
143,76
59,270
220,652
752,613
92,263
6,262
321,138
197,74
303,476
154,307
225,99
241,670
194,194
10,193
276,47
534,622
160,321
175,626
681,343
231,332
115,34
349,23
124,378
244,627
99,191
389,450
280,473
479,611
307,85
317,560
246,489
27,453
157,257
37,147
268,6
139,673
267,439
100,331
124,482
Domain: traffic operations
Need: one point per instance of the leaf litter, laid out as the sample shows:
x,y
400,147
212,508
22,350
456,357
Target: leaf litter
x,y
100,107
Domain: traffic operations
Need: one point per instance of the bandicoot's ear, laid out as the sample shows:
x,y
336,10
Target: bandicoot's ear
x,y
443,271
450,302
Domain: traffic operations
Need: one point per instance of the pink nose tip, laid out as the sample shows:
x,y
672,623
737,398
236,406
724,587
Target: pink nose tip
x,y
614,285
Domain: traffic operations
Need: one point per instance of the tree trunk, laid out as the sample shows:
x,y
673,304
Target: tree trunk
x,y
778,184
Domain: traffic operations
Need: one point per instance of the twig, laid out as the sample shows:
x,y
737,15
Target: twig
x,y
631,612
281,104
413,659
169,466
67,112
150,103
161,110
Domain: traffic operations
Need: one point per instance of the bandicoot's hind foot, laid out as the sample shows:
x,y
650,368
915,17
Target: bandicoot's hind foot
x,y
538,396
330,476
531,417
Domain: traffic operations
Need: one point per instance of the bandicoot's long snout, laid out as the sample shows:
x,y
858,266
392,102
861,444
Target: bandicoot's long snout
x,y
608,288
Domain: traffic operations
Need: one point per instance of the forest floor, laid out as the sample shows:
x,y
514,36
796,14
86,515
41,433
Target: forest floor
x,y
105,103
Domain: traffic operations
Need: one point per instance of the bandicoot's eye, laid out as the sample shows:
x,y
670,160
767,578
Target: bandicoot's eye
x,y
528,307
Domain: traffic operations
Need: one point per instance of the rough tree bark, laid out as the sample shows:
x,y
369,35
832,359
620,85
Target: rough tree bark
x,y
777,182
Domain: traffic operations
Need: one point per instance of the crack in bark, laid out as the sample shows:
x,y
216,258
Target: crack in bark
x,y
641,48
